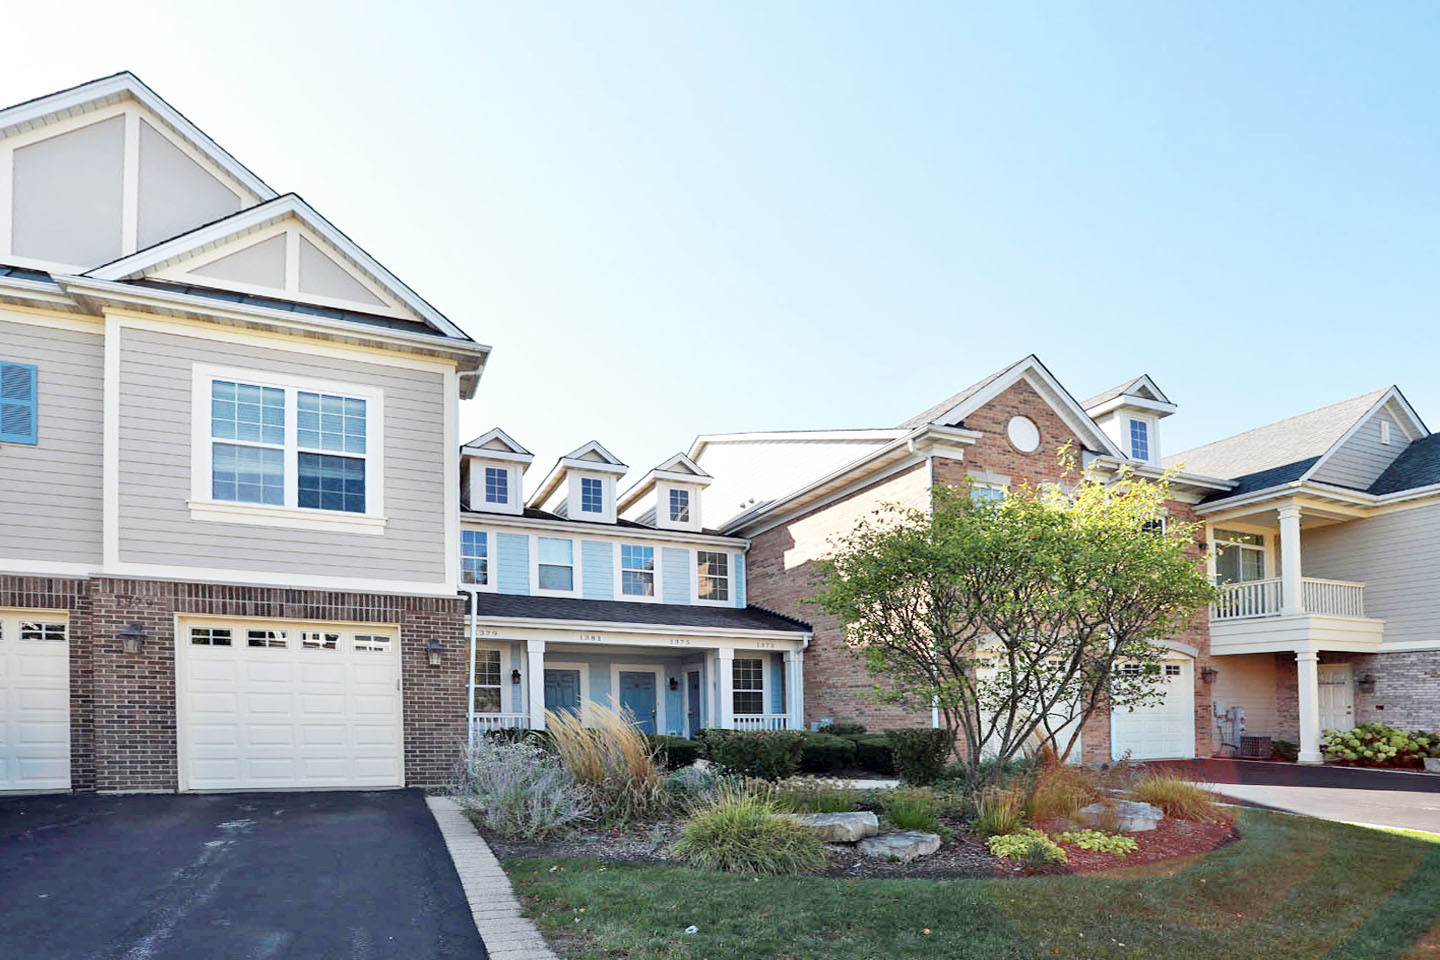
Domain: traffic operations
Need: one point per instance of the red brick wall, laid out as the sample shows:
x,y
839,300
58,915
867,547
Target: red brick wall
x,y
123,705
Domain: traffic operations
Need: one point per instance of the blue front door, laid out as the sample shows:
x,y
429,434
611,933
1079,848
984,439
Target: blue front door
x,y
692,685
637,694
562,690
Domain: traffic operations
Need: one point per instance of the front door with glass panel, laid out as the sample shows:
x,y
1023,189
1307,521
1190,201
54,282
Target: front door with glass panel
x,y
562,690
637,694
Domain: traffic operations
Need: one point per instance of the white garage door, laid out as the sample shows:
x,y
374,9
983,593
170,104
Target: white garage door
x,y
34,703
1164,730
268,706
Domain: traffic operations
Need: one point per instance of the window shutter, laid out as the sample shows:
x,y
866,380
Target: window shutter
x,y
18,414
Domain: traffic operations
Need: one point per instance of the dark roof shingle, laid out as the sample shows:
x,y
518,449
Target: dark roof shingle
x,y
1417,466
620,611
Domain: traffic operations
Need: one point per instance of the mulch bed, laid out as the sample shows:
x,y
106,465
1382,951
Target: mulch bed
x,y
1179,840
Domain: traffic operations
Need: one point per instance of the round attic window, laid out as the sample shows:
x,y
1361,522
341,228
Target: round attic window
x,y
1024,435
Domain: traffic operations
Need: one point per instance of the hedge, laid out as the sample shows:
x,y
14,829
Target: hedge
x,y
674,752
920,753
766,755
823,753
873,752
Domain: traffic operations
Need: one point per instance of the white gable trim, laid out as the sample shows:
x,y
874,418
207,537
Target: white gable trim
x,y
138,264
1413,426
515,452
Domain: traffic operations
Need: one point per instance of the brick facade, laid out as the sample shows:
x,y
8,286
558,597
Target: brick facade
x,y
123,719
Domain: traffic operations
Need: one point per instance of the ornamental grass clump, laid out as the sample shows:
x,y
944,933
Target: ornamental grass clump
x,y
1060,792
916,808
1178,797
611,761
998,812
740,833
518,790
801,795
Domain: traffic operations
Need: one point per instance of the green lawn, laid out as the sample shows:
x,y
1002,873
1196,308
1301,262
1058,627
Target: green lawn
x,y
1290,888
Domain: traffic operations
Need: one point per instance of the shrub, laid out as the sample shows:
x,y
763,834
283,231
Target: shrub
x,y
1116,843
1061,791
822,753
874,753
1178,797
917,808
690,786
920,754
767,755
1378,745
672,753
998,812
815,796
739,833
1285,750
843,728
518,790
611,761
1028,845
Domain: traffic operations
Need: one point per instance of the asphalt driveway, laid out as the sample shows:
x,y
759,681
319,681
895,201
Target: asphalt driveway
x,y
274,875
1381,798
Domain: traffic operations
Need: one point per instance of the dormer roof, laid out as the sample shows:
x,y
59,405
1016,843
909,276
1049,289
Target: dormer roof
x,y
677,469
1140,393
497,445
590,456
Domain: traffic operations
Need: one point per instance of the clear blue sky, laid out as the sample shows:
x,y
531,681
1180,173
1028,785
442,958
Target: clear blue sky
x,y
680,218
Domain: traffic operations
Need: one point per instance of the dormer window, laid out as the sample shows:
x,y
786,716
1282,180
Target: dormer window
x,y
679,506
1139,440
592,495
497,485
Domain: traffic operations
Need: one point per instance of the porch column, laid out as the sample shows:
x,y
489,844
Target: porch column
x,y
535,681
1290,601
1308,671
795,689
1210,551
725,673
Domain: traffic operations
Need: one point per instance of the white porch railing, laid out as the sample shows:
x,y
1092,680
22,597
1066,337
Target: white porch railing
x,y
1266,598
491,722
762,721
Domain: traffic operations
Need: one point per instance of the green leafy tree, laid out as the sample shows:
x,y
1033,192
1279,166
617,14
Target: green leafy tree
x,y
1017,617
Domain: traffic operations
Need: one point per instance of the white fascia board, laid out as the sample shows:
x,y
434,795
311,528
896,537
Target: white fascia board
x,y
1394,394
495,433
593,466
593,446
167,301
697,447
601,531
42,293
1136,403
288,205
656,629
127,84
1149,471
647,483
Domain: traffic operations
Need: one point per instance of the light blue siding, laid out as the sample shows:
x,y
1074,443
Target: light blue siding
x,y
777,683
597,559
517,690
674,701
739,579
512,562
676,571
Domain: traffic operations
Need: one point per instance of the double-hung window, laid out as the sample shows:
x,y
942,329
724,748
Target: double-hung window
x,y
982,492
330,438
712,575
592,495
474,557
487,681
637,571
497,485
1140,439
19,414
749,686
679,506
555,567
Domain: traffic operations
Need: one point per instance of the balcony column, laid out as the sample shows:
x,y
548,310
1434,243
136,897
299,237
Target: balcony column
x,y
725,673
795,689
1291,600
1210,551
535,681
1307,668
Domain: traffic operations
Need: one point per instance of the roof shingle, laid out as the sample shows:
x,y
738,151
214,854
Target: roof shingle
x,y
620,611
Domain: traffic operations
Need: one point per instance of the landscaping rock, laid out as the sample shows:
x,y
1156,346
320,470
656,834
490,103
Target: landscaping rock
x,y
837,827
905,845
1130,816
1432,764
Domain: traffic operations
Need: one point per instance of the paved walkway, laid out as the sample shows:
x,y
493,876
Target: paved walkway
x,y
1381,798
507,934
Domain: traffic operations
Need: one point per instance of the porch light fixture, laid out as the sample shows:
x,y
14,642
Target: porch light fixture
x,y
132,638
1209,674
1366,684
674,683
435,650
515,677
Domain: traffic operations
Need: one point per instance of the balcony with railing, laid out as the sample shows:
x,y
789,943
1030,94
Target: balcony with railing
x,y
1266,598
762,721
1255,616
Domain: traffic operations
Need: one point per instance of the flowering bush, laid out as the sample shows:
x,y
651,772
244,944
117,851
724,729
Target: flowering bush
x,y
517,790
1027,844
1376,745
1115,843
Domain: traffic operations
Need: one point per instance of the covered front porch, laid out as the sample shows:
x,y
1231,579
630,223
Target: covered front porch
x,y
673,681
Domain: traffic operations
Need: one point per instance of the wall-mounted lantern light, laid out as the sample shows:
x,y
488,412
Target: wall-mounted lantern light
x,y
674,683
132,638
515,677
435,650
1366,684
1209,674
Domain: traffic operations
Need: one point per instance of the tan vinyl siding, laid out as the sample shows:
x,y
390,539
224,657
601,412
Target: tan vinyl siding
x,y
1361,459
155,430
1397,556
1249,681
51,505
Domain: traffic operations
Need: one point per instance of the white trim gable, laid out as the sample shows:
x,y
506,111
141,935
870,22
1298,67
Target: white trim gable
x,y
1409,422
496,444
491,451
590,458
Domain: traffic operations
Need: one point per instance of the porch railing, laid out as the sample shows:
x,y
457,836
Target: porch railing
x,y
1266,598
491,722
762,721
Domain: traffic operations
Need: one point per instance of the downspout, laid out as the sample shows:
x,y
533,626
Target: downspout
x,y
470,681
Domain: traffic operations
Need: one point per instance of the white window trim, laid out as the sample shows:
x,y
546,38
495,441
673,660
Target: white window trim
x,y
620,594
492,584
764,682
506,697
1266,550
661,724
1150,438
203,505
575,565
607,496
695,579
506,471
584,670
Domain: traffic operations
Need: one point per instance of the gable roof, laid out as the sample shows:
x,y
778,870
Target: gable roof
x,y
952,411
587,456
106,90
142,262
676,469
1142,388
498,444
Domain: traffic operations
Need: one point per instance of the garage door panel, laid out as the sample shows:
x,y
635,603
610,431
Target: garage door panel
x,y
222,704
264,704
280,770
214,734
269,734
280,672
323,673
204,668
1159,731
322,704
322,735
34,705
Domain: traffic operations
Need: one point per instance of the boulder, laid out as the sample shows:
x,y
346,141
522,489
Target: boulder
x,y
1432,764
904,845
837,827
1130,816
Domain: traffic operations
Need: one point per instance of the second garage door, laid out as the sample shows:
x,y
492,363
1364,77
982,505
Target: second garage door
x,y
1164,730
267,705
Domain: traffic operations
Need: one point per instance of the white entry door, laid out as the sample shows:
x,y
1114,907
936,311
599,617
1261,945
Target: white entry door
x,y
1337,696
277,705
34,702
1164,730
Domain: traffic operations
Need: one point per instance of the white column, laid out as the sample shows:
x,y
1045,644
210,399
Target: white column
x,y
795,688
1307,668
1209,551
725,673
1290,601
535,677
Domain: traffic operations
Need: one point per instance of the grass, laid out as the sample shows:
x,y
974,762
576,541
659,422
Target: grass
x,y
1291,889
